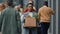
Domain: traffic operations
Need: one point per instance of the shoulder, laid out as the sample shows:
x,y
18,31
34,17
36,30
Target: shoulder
x,y
50,9
4,10
41,8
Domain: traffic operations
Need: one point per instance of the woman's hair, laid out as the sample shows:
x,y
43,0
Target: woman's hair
x,y
29,4
10,2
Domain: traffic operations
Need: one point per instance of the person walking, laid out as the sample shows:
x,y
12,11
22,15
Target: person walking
x,y
2,7
30,12
10,19
44,16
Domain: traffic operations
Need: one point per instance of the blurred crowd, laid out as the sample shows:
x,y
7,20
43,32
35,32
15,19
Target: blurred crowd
x,y
17,7
12,18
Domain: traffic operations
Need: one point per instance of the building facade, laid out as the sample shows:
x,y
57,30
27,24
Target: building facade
x,y
55,25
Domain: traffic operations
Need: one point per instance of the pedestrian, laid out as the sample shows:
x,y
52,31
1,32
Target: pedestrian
x,y
20,8
10,19
30,12
16,7
44,15
1,9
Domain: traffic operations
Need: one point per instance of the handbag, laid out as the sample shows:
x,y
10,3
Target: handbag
x,y
30,22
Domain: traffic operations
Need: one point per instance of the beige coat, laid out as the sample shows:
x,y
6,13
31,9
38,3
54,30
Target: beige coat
x,y
45,13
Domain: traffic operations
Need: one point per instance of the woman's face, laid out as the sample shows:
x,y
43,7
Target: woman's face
x,y
30,7
1,7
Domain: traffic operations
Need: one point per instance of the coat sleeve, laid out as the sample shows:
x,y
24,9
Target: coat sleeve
x,y
52,11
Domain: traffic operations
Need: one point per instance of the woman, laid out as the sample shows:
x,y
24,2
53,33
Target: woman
x,y
31,13
10,19
1,9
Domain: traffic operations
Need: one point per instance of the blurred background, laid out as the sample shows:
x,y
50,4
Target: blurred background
x,y
54,4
